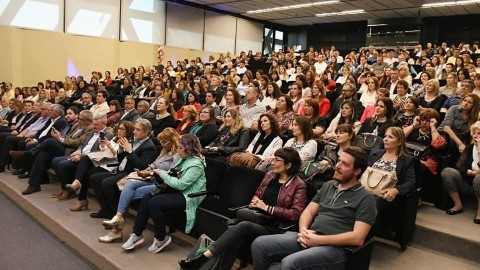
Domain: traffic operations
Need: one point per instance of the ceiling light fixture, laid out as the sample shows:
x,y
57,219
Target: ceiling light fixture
x,y
450,3
378,24
347,12
292,7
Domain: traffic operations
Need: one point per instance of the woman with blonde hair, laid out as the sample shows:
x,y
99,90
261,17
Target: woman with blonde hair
x,y
232,137
451,88
432,98
394,158
135,189
189,117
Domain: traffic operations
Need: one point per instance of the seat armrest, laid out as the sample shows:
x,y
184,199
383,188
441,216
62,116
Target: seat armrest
x,y
198,194
234,209
352,250
113,165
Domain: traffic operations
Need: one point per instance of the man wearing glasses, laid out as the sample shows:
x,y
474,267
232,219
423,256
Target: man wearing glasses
x,y
348,94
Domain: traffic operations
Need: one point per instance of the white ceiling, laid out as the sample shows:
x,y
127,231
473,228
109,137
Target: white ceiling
x,y
375,9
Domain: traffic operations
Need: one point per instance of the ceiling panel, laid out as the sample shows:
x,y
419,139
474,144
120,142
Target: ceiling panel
x,y
375,9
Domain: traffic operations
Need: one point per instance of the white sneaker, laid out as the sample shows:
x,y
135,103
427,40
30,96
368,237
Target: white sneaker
x,y
158,245
133,242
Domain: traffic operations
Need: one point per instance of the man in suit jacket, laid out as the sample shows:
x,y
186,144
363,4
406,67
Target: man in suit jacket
x,y
65,166
143,112
130,114
27,114
131,155
11,141
348,94
57,121
42,155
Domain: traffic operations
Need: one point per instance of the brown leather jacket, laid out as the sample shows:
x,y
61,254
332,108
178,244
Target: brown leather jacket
x,y
292,197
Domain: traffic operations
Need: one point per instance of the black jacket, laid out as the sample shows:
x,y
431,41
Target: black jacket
x,y
234,143
405,171
207,133
143,156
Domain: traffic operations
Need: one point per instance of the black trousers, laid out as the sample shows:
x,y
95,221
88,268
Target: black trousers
x,y
41,158
236,239
9,144
85,169
156,208
104,184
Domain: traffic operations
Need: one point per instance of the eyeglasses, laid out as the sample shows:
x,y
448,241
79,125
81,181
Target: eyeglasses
x,y
275,160
122,128
204,112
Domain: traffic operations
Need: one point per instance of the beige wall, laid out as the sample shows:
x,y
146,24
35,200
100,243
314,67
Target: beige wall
x,y
30,56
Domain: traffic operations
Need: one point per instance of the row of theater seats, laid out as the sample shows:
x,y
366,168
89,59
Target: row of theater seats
x,y
229,188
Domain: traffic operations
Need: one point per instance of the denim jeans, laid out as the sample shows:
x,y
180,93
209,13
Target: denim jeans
x,y
284,249
131,191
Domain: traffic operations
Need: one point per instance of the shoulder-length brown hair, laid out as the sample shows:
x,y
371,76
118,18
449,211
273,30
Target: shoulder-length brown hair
x,y
398,133
305,126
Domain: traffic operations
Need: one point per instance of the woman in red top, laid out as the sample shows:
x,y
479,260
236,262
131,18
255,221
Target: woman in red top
x,y
189,117
281,195
319,93
108,78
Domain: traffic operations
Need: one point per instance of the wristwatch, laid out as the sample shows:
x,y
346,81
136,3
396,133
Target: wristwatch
x,y
152,173
130,151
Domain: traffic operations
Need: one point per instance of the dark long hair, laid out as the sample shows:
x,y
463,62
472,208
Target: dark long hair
x,y
274,126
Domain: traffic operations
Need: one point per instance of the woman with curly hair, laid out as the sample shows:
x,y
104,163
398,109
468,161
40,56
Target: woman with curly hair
x,y
189,178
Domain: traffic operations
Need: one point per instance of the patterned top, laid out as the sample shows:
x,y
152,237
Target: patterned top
x,y
283,119
307,150
385,165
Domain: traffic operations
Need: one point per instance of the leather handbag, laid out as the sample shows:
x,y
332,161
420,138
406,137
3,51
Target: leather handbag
x,y
376,181
316,172
416,149
254,215
243,159
368,142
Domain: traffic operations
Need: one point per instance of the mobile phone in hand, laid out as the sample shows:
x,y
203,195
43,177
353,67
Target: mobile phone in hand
x,y
102,135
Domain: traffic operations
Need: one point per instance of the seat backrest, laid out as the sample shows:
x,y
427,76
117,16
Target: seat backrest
x,y
239,186
311,191
214,172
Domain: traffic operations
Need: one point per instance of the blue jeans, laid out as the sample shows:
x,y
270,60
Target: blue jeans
x,y
284,249
131,191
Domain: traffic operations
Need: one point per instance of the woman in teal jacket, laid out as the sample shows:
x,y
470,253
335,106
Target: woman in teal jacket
x,y
190,178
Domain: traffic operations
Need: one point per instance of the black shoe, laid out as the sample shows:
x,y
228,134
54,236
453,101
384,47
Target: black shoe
x,y
476,220
101,214
17,172
452,212
193,263
24,175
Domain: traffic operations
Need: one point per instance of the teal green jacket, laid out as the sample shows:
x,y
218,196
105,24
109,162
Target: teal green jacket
x,y
191,179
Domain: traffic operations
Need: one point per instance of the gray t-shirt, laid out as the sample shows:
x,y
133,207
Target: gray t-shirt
x,y
340,209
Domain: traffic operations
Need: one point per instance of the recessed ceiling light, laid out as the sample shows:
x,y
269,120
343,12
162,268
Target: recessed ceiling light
x,y
292,7
347,12
450,3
